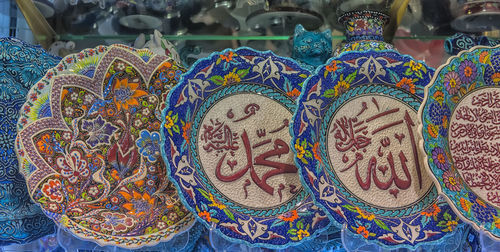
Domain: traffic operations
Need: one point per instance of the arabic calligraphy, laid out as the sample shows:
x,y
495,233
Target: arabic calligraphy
x,y
474,142
244,150
373,150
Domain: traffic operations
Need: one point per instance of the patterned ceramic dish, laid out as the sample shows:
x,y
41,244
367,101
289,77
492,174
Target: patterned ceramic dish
x,y
460,135
225,135
355,139
88,144
21,66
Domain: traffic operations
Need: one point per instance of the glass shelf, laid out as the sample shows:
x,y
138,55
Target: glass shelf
x,y
221,37
200,27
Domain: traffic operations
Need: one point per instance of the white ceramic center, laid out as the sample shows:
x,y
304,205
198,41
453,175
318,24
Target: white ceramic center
x,y
474,142
243,145
372,146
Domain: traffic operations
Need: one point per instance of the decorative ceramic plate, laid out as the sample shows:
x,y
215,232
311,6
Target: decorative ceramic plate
x,y
225,135
355,139
21,66
88,143
460,135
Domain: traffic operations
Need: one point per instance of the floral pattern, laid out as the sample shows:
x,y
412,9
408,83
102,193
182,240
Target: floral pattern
x,y
233,71
73,167
96,153
439,158
492,68
116,222
348,75
99,131
452,82
469,72
21,66
149,145
52,190
126,94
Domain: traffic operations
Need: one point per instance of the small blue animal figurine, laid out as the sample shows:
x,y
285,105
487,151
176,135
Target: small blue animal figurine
x,y
311,49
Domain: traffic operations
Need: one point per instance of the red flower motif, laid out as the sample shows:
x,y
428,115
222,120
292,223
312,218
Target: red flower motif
x,y
52,190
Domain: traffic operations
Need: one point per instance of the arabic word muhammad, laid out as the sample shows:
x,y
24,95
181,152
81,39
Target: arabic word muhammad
x,y
474,142
372,146
243,144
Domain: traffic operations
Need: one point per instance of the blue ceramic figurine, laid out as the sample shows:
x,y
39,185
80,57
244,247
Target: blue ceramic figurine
x,y
311,49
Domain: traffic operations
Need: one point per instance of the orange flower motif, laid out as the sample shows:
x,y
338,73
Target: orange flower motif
x,y
483,57
439,96
406,84
465,204
139,183
45,145
227,57
362,230
432,211
126,94
167,64
138,204
186,129
289,216
114,174
294,93
316,152
205,215
433,130
496,78
332,67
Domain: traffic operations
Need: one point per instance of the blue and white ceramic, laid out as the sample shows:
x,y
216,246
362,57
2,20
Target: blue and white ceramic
x,y
225,137
22,65
355,141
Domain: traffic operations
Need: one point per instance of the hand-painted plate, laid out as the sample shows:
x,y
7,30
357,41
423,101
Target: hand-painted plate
x,y
21,66
460,135
88,143
225,135
355,139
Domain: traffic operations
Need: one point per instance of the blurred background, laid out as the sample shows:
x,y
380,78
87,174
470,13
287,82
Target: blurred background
x,y
199,27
